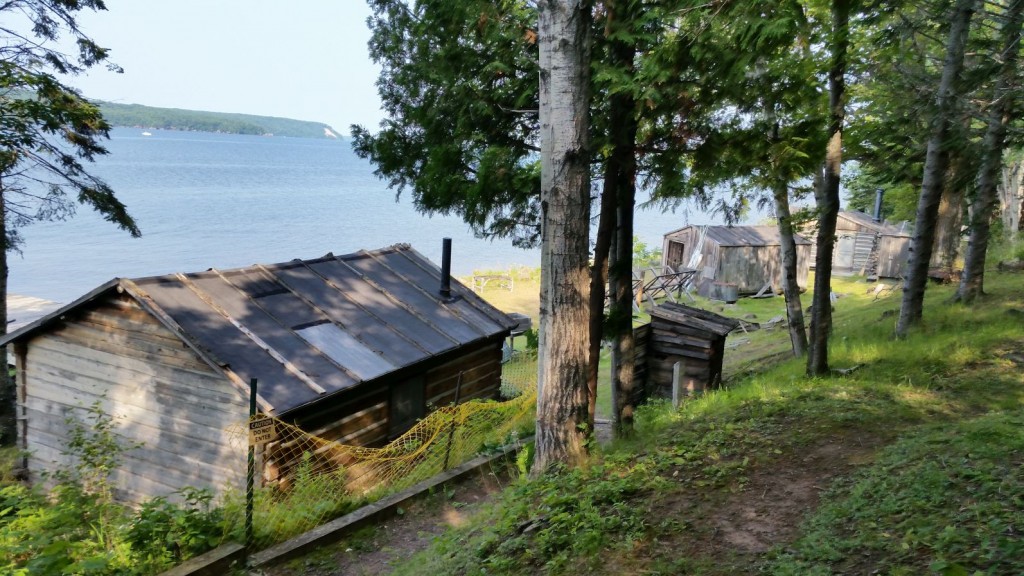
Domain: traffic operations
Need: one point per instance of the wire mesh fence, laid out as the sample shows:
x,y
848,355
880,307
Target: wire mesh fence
x,y
308,481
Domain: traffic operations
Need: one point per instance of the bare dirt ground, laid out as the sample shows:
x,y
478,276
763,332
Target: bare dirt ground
x,y
729,530
374,550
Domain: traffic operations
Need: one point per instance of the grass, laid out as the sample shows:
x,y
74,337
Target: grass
x,y
909,465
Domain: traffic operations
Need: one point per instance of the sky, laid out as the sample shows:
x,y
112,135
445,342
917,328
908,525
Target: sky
x,y
301,59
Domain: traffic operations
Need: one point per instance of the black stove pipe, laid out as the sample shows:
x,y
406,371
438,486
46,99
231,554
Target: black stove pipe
x,y
446,268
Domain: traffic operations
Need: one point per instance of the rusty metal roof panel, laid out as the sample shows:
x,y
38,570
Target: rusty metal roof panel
x,y
749,236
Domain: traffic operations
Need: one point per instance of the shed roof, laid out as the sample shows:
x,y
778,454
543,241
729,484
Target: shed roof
x,y
742,235
695,318
309,328
884,228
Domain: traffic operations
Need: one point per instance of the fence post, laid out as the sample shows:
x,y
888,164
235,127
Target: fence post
x,y
678,370
250,472
451,431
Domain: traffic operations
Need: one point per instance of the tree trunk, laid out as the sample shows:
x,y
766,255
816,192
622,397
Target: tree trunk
x,y
827,194
622,317
622,133
1011,194
564,27
8,392
985,199
787,244
598,293
950,218
790,287
936,160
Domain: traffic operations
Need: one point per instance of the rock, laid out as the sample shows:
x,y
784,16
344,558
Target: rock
x,y
749,316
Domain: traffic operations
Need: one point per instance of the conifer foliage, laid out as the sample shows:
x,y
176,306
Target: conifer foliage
x,y
48,131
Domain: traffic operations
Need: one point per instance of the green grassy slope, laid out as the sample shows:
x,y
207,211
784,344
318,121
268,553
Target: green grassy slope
x,y
909,465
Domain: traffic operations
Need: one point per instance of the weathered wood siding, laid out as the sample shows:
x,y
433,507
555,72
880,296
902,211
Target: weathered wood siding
x,y
893,252
158,392
670,343
749,267
641,345
481,376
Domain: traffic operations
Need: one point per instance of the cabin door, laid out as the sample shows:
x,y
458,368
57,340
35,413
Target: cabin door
x,y
674,258
407,405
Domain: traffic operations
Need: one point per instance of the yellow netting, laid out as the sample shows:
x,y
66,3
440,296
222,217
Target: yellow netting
x,y
307,480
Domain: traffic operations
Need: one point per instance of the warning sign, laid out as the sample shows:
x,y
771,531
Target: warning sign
x,y
261,431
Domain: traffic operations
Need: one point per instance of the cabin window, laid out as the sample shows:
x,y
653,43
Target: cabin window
x,y
407,405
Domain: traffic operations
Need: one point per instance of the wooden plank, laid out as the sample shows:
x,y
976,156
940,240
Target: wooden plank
x,y
483,388
699,354
139,392
120,342
59,391
482,373
354,424
126,371
181,429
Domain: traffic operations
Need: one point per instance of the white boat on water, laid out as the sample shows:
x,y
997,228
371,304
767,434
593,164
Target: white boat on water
x,y
147,133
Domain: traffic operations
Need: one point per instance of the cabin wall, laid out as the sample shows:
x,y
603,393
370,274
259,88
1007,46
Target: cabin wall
x,y
159,393
893,252
670,343
360,417
749,267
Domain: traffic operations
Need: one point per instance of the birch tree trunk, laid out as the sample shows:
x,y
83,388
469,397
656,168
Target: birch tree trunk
x,y
8,394
1011,194
790,287
827,194
1003,103
936,161
565,200
787,245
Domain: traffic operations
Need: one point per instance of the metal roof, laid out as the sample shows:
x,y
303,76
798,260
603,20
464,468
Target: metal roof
x,y
742,235
309,328
884,228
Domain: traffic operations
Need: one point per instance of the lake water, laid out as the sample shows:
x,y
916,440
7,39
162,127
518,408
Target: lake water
x,y
226,201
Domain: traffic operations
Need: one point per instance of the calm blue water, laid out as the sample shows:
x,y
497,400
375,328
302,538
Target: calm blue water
x,y
226,201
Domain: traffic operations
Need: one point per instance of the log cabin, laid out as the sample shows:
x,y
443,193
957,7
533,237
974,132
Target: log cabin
x,y
354,348
747,257
865,246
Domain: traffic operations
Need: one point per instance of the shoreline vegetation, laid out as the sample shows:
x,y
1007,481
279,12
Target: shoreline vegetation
x,y
139,116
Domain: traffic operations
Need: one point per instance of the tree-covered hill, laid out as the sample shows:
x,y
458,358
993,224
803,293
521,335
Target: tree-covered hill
x,y
176,119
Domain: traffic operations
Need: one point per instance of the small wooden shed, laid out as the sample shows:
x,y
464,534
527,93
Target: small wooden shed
x,y
354,348
694,338
864,246
746,256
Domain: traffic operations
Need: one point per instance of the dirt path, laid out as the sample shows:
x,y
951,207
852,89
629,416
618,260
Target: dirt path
x,y
374,550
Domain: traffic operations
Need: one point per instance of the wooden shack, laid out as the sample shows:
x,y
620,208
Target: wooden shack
x,y
692,337
354,348
863,246
745,256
